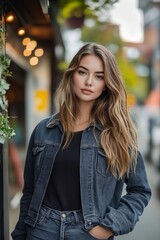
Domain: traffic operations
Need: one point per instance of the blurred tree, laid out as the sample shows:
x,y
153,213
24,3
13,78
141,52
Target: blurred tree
x,y
102,33
135,84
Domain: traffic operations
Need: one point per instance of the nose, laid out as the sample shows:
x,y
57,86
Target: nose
x,y
89,80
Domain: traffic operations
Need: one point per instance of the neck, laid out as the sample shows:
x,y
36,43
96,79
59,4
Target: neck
x,y
85,107
83,119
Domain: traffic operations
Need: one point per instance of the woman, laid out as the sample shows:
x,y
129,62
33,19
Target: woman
x,y
79,159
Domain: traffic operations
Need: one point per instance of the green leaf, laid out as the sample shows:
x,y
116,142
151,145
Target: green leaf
x,y
3,86
6,131
3,103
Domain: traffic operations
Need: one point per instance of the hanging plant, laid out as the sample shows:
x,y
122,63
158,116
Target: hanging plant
x,y
6,131
74,12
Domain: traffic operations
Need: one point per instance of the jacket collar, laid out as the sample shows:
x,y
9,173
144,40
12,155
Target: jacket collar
x,y
55,121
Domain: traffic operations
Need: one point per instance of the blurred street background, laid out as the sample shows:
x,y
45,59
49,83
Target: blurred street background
x,y
41,38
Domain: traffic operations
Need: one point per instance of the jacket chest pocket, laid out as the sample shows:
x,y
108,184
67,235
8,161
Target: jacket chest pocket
x,y
102,166
38,151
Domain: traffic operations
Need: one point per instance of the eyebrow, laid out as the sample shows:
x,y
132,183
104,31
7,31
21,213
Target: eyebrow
x,y
87,69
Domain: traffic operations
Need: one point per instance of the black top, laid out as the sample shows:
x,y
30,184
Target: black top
x,y
63,191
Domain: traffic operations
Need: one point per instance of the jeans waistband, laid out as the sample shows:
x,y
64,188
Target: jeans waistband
x,y
69,216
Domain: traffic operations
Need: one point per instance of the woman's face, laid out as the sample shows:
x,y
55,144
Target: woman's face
x,y
88,79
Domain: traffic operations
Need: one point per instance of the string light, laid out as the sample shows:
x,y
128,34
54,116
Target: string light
x,y
26,53
21,31
39,52
33,61
34,43
9,17
26,41
31,45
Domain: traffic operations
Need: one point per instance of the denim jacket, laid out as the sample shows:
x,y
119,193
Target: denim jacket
x,y
101,193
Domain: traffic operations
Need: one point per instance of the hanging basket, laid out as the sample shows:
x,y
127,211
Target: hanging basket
x,y
75,22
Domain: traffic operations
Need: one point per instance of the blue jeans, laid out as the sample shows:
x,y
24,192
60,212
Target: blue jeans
x,y
56,225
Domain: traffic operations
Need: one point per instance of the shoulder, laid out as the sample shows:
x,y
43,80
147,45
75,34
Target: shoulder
x,y
45,124
44,129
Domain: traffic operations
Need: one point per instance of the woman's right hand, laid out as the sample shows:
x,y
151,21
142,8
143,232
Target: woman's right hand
x,y
100,232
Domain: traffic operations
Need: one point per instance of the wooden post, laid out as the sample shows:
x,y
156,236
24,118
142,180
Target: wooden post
x,y
4,204
1,195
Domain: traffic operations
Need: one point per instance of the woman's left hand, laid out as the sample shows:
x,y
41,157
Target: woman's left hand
x,y
100,232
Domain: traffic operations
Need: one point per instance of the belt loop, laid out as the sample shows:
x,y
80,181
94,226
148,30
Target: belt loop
x,y
48,213
76,217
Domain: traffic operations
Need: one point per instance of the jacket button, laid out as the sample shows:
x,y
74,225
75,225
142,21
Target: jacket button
x,y
63,215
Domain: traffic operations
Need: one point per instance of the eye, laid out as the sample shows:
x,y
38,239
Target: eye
x,y
101,77
81,72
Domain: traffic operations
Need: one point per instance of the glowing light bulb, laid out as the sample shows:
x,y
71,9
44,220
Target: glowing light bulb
x,y
26,41
39,52
21,31
31,45
26,53
10,17
33,61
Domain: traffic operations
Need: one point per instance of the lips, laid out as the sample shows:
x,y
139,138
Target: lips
x,y
86,91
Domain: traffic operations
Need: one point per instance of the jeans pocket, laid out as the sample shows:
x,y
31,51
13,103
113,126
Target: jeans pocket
x,y
91,236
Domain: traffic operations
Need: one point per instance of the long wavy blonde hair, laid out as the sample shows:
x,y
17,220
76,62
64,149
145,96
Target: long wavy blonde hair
x,y
118,138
